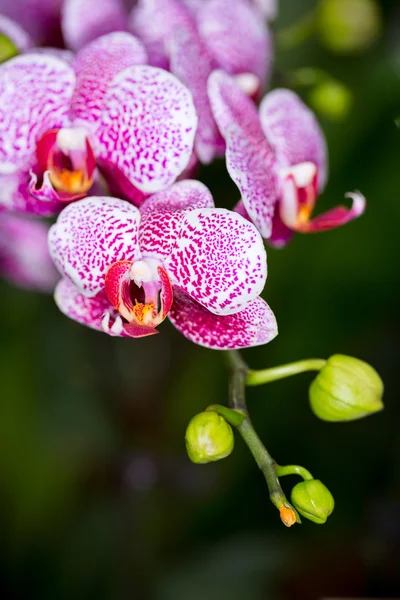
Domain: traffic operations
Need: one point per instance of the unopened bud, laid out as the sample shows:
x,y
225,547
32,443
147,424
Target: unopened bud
x,y
349,26
288,516
208,438
331,99
313,500
345,389
7,48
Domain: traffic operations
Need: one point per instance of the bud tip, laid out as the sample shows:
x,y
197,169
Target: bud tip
x,y
288,516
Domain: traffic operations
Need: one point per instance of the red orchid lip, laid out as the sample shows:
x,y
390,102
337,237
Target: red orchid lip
x,y
142,298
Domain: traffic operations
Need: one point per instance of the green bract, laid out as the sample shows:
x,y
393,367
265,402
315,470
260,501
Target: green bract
x,y
346,389
208,438
313,500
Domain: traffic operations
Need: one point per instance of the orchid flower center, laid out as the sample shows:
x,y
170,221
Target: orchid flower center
x,y
299,193
68,157
141,292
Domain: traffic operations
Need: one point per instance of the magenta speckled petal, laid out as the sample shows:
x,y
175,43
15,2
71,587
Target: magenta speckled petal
x,y
80,308
251,167
15,195
219,260
154,22
35,94
18,36
24,255
293,131
231,106
187,49
162,215
252,326
96,65
236,36
147,127
89,236
85,20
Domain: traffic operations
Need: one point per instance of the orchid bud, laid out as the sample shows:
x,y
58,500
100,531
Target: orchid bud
x,y
331,99
349,26
345,389
208,438
313,500
7,48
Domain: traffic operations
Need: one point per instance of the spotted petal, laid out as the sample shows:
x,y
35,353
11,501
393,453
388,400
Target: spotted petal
x,y
35,94
19,192
236,37
96,65
86,20
154,22
89,236
252,326
219,260
293,131
12,30
24,256
147,128
187,49
163,213
269,8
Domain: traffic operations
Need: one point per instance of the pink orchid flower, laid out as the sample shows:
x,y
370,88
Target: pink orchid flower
x,y
126,269
278,159
24,256
59,122
193,41
39,18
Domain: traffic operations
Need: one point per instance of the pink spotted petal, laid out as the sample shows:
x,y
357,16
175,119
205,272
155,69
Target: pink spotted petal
x,y
24,255
340,215
187,49
293,131
85,20
117,286
231,106
163,213
251,167
154,23
35,94
96,313
147,128
89,236
95,67
18,36
268,8
19,192
252,326
236,37
219,260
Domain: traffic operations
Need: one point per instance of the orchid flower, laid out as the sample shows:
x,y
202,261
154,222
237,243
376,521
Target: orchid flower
x,y
277,157
135,123
24,256
39,18
124,269
194,41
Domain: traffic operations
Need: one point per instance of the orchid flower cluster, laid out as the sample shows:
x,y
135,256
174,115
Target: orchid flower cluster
x,y
105,136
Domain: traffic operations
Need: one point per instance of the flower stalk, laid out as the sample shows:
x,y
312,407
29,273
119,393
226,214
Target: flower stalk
x,y
275,373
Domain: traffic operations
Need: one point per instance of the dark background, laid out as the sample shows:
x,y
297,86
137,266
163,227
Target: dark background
x,y
97,496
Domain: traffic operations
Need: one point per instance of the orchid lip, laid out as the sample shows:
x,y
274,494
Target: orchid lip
x,y
299,194
141,292
68,157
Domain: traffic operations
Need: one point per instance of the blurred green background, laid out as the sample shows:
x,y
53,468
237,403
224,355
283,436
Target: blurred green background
x,y
97,496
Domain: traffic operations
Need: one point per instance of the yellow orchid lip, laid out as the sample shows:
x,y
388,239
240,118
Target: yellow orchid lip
x,y
72,182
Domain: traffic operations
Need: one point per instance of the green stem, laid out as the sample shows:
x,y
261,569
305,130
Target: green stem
x,y
293,470
275,373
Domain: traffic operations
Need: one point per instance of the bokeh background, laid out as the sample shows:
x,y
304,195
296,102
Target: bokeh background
x,y
97,496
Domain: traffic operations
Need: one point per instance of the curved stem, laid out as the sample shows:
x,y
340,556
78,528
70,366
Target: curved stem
x,y
294,470
275,373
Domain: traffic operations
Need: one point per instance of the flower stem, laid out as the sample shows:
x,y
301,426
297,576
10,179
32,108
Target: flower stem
x,y
275,373
237,396
294,470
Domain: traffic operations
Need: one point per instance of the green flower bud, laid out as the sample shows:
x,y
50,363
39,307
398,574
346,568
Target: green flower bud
x,y
349,26
346,389
313,500
331,99
7,48
208,438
